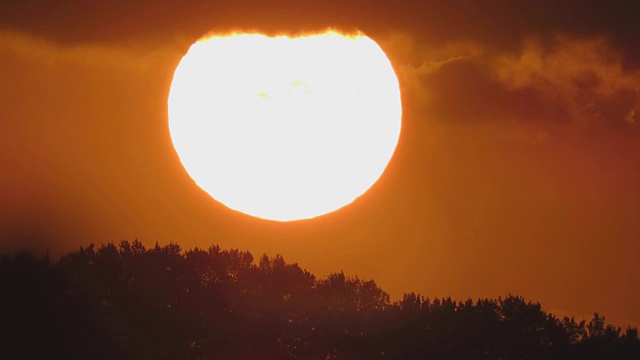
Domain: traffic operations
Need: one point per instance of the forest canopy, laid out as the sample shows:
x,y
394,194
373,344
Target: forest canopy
x,y
127,301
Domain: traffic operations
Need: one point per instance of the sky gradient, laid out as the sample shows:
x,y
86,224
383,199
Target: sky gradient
x,y
517,169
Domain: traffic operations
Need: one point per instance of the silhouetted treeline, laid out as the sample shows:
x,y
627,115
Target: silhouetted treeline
x,y
130,302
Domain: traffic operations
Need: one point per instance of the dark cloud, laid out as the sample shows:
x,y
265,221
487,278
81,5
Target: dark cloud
x,y
547,79
585,77
495,22
467,91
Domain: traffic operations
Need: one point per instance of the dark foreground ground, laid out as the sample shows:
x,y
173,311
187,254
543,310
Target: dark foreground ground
x,y
129,302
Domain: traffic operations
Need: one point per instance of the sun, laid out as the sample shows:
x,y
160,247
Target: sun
x,y
285,128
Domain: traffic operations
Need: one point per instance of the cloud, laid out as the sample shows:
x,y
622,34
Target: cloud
x,y
31,49
546,81
584,76
498,22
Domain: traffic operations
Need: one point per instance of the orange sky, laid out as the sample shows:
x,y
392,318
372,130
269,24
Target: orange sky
x,y
517,170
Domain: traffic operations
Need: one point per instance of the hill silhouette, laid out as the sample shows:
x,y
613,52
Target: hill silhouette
x,y
132,302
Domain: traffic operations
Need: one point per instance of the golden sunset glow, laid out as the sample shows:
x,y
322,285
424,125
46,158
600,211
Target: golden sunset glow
x,y
451,150
285,128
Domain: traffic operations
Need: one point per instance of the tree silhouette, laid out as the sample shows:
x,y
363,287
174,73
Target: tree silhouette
x,y
130,302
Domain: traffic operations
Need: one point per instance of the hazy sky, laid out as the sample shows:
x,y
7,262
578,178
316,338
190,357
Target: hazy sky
x,y
517,170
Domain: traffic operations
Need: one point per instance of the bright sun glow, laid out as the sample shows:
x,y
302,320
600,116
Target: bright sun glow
x,y
285,128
